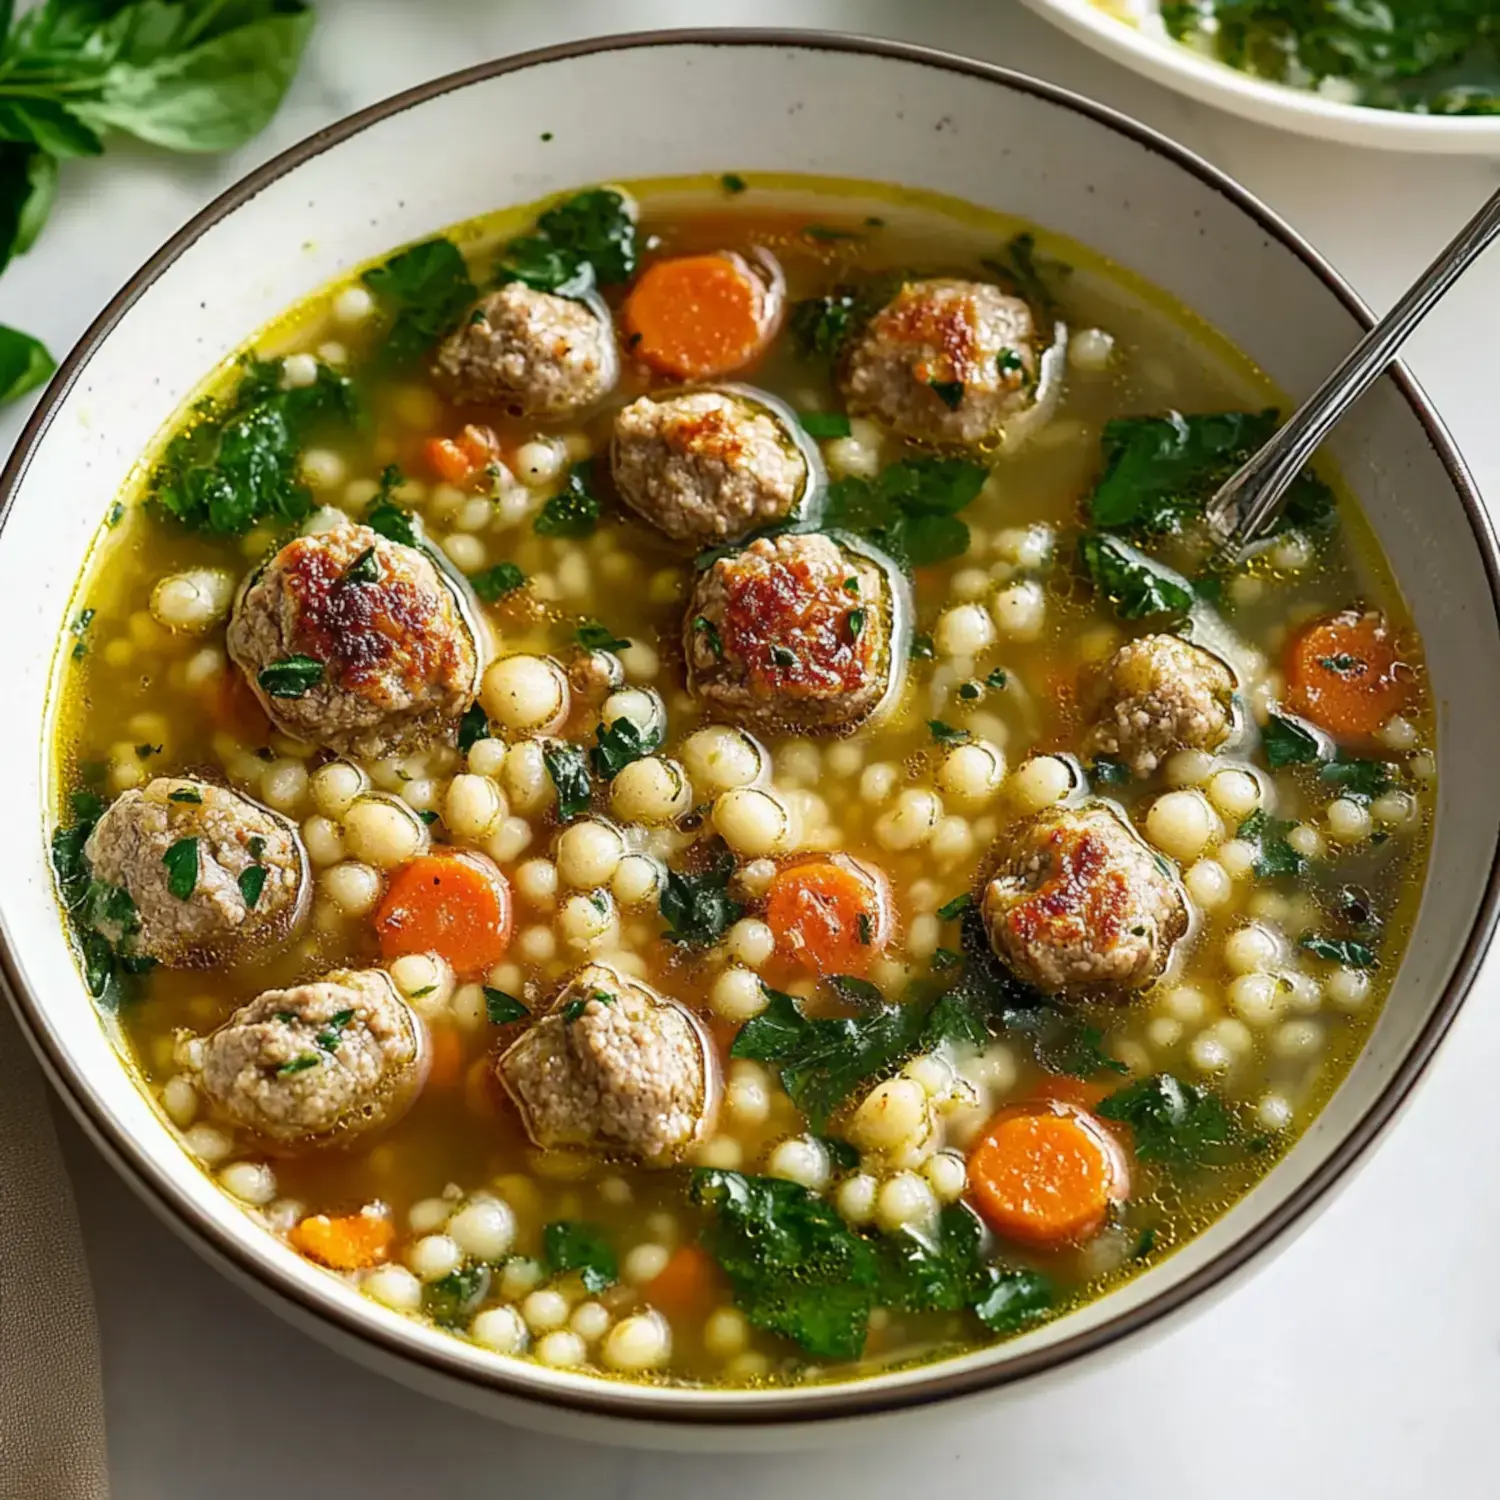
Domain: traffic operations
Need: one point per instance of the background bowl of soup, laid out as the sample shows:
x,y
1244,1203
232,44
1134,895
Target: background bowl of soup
x,y
1428,98
856,131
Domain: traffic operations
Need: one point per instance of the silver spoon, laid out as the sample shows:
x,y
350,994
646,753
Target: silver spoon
x,y
1247,503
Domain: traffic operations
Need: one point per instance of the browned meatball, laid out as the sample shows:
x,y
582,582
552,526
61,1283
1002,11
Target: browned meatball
x,y
531,352
1162,694
613,1066
357,643
1080,906
946,361
793,632
150,842
318,1063
706,466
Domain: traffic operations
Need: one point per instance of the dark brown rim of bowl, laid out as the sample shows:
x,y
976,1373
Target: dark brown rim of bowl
x,y
664,1404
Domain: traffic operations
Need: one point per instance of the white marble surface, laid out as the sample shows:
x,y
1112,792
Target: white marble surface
x,y
1365,1361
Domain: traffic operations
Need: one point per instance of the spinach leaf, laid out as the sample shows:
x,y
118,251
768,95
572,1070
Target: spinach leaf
x,y
24,364
473,727
821,1061
585,241
821,327
698,908
568,1245
453,1299
501,1009
291,677
797,1269
237,464
1021,271
570,775
1160,472
574,510
1359,779
1289,741
593,636
910,510
1176,1123
1137,586
1347,951
1077,1049
933,1270
1010,1299
493,584
424,291
824,424
1274,856
620,742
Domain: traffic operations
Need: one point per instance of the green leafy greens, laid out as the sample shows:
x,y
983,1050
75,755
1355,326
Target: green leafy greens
x,y
585,241
698,908
569,1245
184,75
423,291
910,511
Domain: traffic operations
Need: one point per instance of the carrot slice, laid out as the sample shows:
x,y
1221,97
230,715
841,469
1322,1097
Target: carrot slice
x,y
346,1244
456,905
1045,1175
830,915
1344,672
687,1286
696,316
458,460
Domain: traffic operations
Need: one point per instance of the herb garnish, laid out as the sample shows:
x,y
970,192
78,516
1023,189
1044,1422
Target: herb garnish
x,y
824,424
501,1009
698,908
570,775
593,636
493,584
568,1245
573,511
291,677
181,860
252,881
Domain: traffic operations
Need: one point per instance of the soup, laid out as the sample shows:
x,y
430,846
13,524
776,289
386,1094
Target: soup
x,y
671,783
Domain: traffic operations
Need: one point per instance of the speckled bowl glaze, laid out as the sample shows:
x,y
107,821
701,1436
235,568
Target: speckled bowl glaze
x,y
1157,56
686,103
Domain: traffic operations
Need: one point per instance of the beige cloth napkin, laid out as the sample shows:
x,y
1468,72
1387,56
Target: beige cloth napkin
x,y
51,1395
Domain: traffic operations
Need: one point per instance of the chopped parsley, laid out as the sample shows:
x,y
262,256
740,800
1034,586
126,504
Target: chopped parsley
x,y
593,636
951,910
946,734
573,511
386,517
299,1064
1347,951
181,860
783,656
732,182
79,629
705,627
364,569
856,619
949,392
452,1300
189,794
1274,856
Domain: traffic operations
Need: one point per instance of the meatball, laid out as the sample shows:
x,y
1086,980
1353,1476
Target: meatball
x,y
705,466
1080,906
946,361
533,353
613,1066
793,632
151,843
356,643
318,1063
1163,694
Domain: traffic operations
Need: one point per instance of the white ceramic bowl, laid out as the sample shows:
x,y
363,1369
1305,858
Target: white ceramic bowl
x,y
710,102
1159,57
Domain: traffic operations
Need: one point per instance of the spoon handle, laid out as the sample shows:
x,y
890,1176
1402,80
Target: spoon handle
x,y
1249,500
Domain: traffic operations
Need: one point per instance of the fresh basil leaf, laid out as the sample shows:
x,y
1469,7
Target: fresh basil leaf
x,y
424,291
568,1245
291,677
1137,586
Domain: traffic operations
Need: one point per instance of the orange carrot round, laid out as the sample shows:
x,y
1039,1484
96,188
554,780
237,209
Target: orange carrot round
x,y
830,915
454,904
697,316
1344,672
1045,1175
349,1243
687,1286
